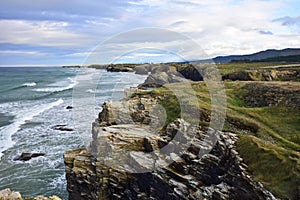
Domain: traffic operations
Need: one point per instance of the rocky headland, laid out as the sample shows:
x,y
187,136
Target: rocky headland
x,y
124,161
142,148
163,73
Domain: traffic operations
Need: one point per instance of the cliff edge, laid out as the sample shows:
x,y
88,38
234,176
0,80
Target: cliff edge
x,y
128,158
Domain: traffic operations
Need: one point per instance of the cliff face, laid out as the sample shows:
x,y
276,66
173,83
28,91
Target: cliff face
x,y
128,159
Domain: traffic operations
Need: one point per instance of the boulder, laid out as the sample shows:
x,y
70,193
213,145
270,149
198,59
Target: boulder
x,y
192,72
161,78
142,69
7,194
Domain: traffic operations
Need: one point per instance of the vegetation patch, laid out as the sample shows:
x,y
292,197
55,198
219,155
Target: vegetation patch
x,y
269,139
277,168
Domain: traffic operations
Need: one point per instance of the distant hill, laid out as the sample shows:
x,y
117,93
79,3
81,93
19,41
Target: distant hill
x,y
262,55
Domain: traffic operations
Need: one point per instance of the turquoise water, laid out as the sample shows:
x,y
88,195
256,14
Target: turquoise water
x,y
32,102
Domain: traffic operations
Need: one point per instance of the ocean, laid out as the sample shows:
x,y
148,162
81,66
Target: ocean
x,y
33,102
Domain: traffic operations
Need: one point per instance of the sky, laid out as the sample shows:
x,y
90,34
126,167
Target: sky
x,y
59,32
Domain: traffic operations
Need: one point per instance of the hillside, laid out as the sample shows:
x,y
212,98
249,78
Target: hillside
x,y
262,55
266,117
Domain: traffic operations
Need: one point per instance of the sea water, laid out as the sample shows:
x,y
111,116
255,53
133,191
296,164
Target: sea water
x,y
32,102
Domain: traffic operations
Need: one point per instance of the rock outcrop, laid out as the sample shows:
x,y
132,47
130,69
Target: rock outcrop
x,y
192,72
142,69
219,174
160,78
7,194
260,95
132,156
28,156
120,68
264,75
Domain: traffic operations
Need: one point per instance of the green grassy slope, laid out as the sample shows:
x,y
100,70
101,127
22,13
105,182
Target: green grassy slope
x,y
269,136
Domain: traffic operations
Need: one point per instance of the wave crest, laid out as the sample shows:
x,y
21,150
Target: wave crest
x,y
31,84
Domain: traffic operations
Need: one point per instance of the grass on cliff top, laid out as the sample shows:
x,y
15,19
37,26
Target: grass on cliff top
x,y
272,151
277,168
226,68
277,124
269,136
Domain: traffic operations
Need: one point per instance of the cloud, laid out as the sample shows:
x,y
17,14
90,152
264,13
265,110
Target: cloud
x,y
226,27
67,30
288,21
35,53
266,32
48,10
178,23
42,33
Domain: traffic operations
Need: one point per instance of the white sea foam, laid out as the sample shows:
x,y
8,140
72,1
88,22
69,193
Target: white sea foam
x,y
32,84
27,114
90,91
59,86
58,182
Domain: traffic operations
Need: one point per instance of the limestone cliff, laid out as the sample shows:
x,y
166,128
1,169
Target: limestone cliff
x,y
128,159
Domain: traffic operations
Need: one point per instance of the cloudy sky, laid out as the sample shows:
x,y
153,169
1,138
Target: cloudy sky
x,y
60,32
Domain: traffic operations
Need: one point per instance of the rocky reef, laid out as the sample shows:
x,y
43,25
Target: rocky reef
x,y
135,155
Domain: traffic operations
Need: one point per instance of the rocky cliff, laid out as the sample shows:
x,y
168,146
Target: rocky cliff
x,y
135,156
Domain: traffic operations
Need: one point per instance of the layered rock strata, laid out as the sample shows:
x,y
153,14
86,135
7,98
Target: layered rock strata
x,y
133,156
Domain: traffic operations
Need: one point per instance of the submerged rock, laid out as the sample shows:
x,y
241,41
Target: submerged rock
x,y
69,107
28,156
62,127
